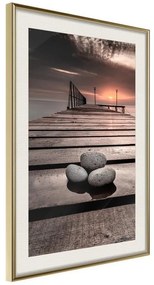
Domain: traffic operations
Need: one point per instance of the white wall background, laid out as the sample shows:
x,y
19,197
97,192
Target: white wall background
x,y
134,13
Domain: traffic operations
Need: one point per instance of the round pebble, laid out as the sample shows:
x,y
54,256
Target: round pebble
x,y
101,176
92,160
76,173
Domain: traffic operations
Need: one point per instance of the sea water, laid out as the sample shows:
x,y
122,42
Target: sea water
x,y
42,108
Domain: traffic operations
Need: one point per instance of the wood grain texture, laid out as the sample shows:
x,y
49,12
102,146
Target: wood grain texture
x,y
82,142
59,156
64,216
44,133
51,188
82,230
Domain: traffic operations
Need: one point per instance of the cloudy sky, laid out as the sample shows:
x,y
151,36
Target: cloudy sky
x,y
55,59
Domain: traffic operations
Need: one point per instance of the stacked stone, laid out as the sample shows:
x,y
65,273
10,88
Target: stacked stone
x,y
93,169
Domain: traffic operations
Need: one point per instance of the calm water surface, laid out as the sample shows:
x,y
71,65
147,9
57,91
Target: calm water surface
x,y
41,108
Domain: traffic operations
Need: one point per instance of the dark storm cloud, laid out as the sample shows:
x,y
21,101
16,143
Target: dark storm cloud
x,y
55,59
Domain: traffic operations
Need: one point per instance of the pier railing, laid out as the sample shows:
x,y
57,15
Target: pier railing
x,y
116,108
75,97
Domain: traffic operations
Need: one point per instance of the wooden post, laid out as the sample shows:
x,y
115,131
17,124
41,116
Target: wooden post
x,y
116,99
71,95
95,95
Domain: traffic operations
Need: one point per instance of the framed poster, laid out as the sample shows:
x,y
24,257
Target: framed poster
x,y
77,141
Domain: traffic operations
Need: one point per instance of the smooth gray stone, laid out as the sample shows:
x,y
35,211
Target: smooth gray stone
x,y
76,173
101,176
92,160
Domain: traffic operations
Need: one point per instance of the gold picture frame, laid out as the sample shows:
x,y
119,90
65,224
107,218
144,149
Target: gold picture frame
x,y
19,263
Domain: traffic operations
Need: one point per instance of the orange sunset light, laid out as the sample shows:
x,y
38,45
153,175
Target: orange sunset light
x,y
108,95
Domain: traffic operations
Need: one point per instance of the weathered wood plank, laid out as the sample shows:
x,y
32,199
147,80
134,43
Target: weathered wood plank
x,y
53,201
79,134
50,188
60,156
73,112
82,230
83,120
82,124
79,122
98,114
71,142
89,117
86,120
82,128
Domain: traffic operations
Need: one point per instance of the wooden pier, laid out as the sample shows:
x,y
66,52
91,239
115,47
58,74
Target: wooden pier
x,y
63,216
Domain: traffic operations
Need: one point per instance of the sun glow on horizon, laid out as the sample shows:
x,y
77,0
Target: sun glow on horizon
x,y
108,96
123,96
